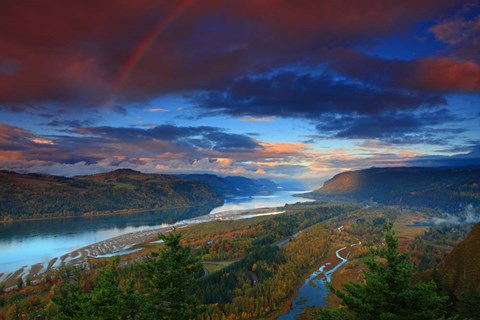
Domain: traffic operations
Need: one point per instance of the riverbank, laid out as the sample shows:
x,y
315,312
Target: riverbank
x,y
108,213
25,243
123,244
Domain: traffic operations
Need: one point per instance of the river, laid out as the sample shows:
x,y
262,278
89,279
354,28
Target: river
x,y
314,291
26,243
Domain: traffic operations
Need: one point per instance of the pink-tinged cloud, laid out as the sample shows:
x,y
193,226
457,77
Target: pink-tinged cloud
x,y
461,32
438,74
8,156
283,148
444,74
452,31
87,154
13,138
17,145
165,147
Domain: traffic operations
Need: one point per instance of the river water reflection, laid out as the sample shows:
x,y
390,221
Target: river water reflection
x,y
29,242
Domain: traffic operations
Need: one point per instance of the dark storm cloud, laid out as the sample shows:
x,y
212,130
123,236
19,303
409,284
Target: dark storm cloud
x,y
392,127
72,54
471,158
120,110
19,108
46,115
228,142
163,132
14,138
288,94
431,74
70,123
469,147
201,137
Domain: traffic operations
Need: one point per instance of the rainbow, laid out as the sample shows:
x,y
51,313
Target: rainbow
x,y
178,9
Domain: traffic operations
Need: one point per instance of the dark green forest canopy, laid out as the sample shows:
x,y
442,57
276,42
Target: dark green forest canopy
x,y
451,189
28,195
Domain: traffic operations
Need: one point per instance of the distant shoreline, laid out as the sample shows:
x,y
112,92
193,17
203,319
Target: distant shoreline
x,y
6,220
92,214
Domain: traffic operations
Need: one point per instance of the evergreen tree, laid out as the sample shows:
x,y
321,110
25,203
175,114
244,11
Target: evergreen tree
x,y
468,303
387,292
70,296
109,300
20,283
168,280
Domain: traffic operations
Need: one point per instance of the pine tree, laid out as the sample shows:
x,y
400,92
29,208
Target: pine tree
x,y
387,292
70,296
109,300
468,303
20,283
168,280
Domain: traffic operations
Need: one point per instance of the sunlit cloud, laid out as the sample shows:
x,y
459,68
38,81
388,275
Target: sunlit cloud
x,y
260,172
224,162
283,148
43,141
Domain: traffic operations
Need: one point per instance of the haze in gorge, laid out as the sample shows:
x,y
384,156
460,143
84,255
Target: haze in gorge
x,y
290,159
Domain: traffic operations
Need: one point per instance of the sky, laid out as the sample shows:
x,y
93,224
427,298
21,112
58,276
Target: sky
x,y
279,89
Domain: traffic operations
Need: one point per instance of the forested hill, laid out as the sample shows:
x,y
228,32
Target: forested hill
x,y
235,185
29,195
447,188
460,270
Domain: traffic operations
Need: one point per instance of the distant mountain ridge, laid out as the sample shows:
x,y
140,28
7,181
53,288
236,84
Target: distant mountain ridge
x,y
234,185
40,195
447,188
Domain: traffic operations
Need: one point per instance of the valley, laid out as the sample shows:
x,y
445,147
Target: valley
x,y
59,240
261,260
239,160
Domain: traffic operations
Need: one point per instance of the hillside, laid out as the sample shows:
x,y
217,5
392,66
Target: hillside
x,y
234,185
38,195
451,189
461,267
